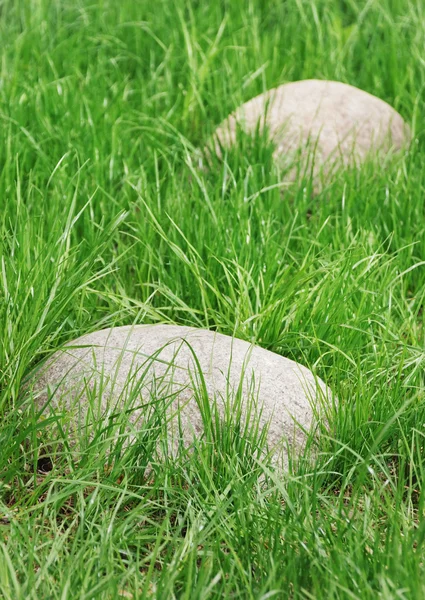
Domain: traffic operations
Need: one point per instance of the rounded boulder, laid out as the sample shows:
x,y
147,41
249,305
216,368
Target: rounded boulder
x,y
170,365
324,124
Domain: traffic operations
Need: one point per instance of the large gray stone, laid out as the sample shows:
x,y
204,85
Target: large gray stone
x,y
337,123
158,360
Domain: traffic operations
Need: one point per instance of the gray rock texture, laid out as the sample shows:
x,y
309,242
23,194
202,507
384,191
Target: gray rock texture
x,y
158,361
337,123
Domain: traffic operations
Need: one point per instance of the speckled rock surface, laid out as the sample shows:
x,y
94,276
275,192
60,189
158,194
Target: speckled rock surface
x,y
340,123
158,360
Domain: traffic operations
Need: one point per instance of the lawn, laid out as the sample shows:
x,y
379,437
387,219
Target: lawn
x,y
107,219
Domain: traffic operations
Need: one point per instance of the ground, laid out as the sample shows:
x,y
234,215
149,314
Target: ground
x,y
107,219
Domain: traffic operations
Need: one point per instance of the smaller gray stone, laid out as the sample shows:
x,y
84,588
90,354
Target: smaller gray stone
x,y
158,361
338,123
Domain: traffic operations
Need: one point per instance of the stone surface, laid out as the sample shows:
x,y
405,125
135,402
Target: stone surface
x,y
340,123
159,359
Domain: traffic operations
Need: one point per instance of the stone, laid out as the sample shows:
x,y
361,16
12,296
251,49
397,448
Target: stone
x,y
338,124
158,361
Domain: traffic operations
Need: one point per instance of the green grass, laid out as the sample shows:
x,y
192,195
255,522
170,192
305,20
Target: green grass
x,y
106,220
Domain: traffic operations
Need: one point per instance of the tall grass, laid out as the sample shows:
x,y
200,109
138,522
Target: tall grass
x,y
106,219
